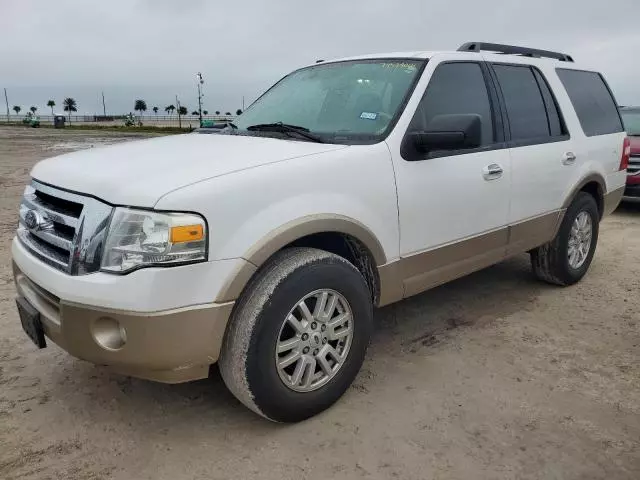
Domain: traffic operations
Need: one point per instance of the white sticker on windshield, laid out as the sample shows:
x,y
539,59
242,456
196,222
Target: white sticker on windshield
x,y
368,115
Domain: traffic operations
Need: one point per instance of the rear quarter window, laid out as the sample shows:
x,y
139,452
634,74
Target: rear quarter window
x,y
593,102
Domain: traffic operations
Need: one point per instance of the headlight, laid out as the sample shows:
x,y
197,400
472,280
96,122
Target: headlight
x,y
140,238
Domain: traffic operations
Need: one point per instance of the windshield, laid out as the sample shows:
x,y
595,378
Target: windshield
x,y
345,102
631,119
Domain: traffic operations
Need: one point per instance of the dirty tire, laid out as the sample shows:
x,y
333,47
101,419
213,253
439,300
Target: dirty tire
x,y
247,361
550,262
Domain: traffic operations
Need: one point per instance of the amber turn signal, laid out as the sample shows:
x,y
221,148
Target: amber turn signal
x,y
187,233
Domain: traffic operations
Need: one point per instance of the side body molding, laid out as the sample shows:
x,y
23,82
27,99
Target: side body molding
x,y
418,272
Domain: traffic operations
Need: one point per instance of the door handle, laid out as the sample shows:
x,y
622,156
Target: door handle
x,y
492,172
568,158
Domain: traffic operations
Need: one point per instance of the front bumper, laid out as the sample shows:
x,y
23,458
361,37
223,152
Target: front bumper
x,y
632,192
171,345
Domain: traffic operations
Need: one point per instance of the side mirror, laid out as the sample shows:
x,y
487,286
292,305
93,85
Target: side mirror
x,y
450,132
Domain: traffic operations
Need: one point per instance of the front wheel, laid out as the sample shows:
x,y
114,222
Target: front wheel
x,y
298,335
566,259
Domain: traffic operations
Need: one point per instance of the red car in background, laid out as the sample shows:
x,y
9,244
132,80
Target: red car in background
x,y
631,119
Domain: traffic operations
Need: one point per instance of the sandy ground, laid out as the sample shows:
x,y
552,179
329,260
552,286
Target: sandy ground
x,y
493,376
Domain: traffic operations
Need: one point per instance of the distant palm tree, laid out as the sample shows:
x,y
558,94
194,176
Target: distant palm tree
x,y
183,111
51,104
195,112
205,112
228,113
217,112
17,109
70,105
33,109
140,106
238,112
170,109
155,110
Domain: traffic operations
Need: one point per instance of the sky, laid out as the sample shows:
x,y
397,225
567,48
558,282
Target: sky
x,y
152,49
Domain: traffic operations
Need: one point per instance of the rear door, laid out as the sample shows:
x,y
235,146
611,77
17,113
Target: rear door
x,y
541,149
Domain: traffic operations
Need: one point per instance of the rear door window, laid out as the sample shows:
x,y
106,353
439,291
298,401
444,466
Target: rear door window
x,y
557,126
593,101
524,103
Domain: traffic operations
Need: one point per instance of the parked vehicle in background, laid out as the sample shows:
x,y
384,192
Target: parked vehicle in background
x,y
631,119
348,185
32,120
130,120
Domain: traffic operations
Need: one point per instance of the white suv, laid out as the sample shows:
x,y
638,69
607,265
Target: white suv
x,y
348,185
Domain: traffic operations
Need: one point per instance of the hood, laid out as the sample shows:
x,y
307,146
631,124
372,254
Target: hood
x,y
138,173
635,145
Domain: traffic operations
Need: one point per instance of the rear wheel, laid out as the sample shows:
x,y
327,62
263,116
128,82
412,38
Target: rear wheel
x,y
298,335
566,259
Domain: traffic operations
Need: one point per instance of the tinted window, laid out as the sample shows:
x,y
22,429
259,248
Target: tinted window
x,y
593,102
556,124
456,88
523,101
631,120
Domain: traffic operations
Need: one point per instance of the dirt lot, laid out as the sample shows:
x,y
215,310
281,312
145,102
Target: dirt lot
x,y
493,376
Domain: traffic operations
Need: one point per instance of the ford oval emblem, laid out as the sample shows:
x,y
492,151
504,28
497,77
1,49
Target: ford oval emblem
x,y
35,221
31,220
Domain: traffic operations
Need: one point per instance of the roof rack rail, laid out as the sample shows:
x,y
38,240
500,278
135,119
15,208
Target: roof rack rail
x,y
513,50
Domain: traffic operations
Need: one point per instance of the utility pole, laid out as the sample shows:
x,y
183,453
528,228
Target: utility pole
x,y
104,108
179,118
6,100
200,82
243,103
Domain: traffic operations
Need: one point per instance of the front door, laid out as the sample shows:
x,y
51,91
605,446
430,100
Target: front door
x,y
453,204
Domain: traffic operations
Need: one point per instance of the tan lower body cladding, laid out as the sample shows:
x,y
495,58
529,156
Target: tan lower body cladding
x,y
168,346
422,271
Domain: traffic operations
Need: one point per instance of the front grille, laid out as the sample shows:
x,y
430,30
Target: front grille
x,y
61,228
634,165
59,205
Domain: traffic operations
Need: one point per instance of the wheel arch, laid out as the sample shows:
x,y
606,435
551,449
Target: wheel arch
x,y
337,234
593,184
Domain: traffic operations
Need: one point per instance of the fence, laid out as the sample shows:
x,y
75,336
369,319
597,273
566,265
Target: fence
x,y
156,120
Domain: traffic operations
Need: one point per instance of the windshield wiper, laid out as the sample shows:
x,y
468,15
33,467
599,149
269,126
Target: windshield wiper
x,y
285,128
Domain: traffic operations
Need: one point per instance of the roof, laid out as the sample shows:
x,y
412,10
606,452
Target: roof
x,y
484,55
415,54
